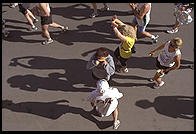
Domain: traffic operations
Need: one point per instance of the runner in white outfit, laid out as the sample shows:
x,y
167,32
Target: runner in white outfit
x,y
167,60
104,99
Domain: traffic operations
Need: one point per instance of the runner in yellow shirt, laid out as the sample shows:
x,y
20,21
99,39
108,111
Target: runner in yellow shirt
x,y
127,35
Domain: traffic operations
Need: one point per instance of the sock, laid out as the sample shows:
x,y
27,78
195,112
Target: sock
x,y
49,39
153,37
33,26
161,84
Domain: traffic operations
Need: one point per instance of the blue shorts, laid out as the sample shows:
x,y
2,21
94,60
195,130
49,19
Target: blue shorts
x,y
140,28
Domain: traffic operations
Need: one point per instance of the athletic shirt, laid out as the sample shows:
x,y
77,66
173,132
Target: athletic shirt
x,y
183,17
146,17
41,10
166,58
125,47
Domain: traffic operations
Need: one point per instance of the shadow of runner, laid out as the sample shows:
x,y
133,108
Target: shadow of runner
x,y
171,106
17,36
53,110
75,73
75,12
33,83
82,11
71,36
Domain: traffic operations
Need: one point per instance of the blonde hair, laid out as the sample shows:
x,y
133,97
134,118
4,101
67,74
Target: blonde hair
x,y
178,42
127,30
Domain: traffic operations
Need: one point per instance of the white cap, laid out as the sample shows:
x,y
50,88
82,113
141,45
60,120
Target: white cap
x,y
102,86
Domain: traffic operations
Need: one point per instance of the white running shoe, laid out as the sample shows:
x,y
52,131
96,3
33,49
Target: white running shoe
x,y
116,124
172,31
156,86
46,42
94,14
155,40
105,9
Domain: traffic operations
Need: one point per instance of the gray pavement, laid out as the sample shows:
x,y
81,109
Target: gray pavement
x,y
49,85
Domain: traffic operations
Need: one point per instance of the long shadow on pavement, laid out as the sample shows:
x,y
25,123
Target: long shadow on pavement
x,y
82,36
171,106
75,12
75,73
82,11
17,36
53,110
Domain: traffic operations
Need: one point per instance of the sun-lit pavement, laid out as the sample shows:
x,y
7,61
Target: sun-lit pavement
x,y
46,87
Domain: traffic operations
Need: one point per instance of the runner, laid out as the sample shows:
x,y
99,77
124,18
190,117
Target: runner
x,y
104,101
167,60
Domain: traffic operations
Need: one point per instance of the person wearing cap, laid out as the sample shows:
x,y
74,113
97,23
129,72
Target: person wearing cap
x,y
104,100
101,64
167,60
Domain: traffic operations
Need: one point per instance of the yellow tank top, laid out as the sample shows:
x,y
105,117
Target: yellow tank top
x,y
125,47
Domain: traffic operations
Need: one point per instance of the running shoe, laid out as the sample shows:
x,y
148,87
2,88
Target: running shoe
x,y
46,42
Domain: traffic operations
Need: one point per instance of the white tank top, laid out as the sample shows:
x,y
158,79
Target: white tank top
x,y
166,58
146,18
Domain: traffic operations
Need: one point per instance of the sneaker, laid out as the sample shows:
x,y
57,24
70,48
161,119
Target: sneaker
x,y
155,39
35,20
105,9
125,70
101,115
13,5
94,14
46,42
64,28
172,31
120,70
116,124
151,80
33,28
156,86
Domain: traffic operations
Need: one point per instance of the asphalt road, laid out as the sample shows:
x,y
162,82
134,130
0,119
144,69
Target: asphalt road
x,y
45,88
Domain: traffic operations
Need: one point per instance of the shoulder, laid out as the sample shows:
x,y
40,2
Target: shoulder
x,y
178,52
109,57
147,5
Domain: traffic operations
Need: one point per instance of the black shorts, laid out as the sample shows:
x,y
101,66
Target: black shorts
x,y
22,9
122,60
45,20
159,66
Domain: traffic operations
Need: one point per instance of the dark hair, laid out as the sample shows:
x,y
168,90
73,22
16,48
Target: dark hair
x,y
101,52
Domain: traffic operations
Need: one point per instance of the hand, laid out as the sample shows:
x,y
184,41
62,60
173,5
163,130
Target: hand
x,y
102,60
114,24
97,62
114,18
133,5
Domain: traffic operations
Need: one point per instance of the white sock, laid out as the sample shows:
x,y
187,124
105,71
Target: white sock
x,y
49,39
153,37
161,84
